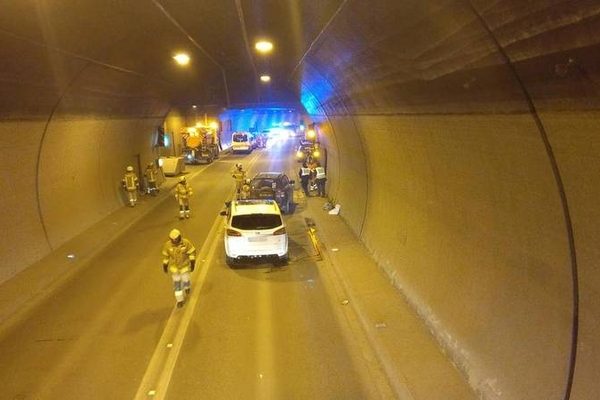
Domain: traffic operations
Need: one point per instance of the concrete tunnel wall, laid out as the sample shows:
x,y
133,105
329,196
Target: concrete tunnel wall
x,y
61,178
454,193
463,215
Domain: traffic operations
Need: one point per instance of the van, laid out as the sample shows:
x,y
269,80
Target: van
x,y
242,142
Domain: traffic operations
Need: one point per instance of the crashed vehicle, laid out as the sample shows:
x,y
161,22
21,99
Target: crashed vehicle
x,y
273,185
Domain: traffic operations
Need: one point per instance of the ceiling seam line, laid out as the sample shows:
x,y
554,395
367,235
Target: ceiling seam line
x,y
339,9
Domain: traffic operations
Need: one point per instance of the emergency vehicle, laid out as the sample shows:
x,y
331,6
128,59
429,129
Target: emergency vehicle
x,y
200,144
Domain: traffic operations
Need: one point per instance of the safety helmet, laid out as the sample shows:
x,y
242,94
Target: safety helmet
x,y
174,234
238,166
129,168
182,179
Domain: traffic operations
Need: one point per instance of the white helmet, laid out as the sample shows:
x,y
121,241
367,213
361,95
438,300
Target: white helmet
x,y
182,179
238,166
129,168
174,234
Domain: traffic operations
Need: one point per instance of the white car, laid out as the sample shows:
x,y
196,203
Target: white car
x,y
254,229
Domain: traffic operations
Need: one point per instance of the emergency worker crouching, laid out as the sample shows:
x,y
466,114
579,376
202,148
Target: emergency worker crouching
x,y
183,192
240,177
150,175
131,184
320,179
245,192
179,260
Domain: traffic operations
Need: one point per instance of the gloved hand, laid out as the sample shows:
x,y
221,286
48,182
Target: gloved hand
x,y
165,266
192,265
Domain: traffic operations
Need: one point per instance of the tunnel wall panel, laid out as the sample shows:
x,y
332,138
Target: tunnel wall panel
x,y
576,143
351,192
81,164
23,239
464,215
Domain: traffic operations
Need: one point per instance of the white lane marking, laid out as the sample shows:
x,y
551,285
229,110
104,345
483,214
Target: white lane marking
x,y
265,336
160,369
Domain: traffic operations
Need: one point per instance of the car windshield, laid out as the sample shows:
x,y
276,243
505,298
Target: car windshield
x,y
256,221
263,183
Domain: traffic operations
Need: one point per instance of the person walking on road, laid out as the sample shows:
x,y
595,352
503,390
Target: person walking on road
x,y
179,260
131,184
183,192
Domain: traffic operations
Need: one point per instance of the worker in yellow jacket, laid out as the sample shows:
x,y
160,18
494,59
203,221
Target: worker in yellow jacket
x,y
179,260
183,192
131,184
239,175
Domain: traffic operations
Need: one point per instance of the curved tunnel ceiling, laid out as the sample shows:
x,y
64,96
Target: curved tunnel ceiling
x,y
113,58
343,56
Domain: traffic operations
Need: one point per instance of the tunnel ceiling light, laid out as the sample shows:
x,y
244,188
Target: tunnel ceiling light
x,y
182,58
265,78
263,46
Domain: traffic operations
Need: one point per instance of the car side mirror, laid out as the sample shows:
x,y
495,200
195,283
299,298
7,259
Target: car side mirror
x,y
228,204
223,213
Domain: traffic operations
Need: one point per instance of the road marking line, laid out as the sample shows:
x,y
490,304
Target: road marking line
x,y
158,374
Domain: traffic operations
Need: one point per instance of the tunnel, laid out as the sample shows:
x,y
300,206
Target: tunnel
x,y
461,141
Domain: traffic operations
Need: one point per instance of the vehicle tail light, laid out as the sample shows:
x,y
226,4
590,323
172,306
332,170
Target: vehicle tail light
x,y
280,231
231,232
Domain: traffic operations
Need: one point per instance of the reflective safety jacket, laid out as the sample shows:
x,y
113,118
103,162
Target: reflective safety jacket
x,y
304,171
178,256
150,174
320,173
130,181
183,191
239,176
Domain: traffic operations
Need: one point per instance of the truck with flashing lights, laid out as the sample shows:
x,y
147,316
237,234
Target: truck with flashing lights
x,y
200,144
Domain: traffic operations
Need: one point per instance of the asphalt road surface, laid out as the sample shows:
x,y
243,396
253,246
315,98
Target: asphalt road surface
x,y
259,331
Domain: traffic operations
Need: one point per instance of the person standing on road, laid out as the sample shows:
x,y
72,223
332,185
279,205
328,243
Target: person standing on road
x,y
179,260
240,177
131,184
183,192
320,179
304,175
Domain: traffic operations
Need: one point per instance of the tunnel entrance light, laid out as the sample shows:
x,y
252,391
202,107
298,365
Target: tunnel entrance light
x,y
265,78
181,58
263,46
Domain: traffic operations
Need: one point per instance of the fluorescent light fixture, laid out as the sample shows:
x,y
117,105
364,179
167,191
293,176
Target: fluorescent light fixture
x,y
182,58
265,78
263,46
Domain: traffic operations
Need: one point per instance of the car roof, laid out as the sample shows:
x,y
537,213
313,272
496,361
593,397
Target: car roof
x,y
267,175
254,206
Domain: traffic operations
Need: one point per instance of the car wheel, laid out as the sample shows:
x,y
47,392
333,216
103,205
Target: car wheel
x,y
283,260
230,261
285,207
